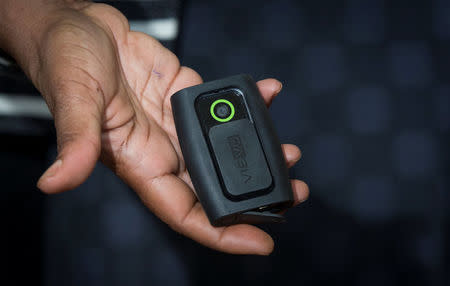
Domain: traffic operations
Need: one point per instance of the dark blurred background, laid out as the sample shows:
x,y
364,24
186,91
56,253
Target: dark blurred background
x,y
367,98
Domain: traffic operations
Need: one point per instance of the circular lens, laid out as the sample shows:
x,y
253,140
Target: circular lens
x,y
222,110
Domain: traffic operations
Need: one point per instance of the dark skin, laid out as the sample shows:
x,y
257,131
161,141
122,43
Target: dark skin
x,y
108,89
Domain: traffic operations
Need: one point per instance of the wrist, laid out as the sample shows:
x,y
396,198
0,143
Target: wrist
x,y
22,26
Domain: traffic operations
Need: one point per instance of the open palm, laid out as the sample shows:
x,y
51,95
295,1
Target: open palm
x,y
109,90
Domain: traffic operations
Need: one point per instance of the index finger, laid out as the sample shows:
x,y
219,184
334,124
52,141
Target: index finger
x,y
172,200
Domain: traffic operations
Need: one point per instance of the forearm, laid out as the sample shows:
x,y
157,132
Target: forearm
x,y
22,23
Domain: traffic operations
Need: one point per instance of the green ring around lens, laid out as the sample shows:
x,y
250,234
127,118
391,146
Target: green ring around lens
x,y
218,118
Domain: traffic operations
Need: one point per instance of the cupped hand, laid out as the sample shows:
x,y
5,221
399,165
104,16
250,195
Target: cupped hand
x,y
109,89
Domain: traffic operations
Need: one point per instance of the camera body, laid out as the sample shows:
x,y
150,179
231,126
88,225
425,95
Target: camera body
x,y
232,152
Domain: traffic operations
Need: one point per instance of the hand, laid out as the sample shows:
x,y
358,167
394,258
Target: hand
x,y
109,90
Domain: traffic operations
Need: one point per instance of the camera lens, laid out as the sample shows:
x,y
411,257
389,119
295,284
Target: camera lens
x,y
222,110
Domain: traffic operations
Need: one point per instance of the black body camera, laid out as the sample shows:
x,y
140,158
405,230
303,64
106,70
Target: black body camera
x,y
232,152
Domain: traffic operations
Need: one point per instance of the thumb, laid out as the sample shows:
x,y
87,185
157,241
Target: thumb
x,y
78,131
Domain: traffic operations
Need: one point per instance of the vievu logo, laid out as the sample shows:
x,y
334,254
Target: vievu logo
x,y
239,155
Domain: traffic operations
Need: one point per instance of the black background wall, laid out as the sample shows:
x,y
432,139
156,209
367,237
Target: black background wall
x,y
366,96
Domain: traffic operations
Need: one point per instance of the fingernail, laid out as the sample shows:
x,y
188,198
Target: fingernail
x,y
51,171
280,88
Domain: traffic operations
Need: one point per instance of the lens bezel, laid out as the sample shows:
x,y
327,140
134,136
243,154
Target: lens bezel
x,y
213,114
